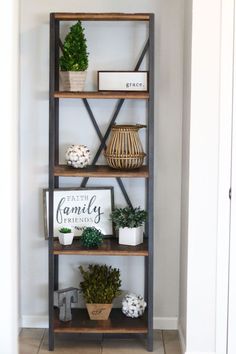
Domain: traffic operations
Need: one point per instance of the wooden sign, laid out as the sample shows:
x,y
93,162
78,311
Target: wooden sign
x,y
122,81
78,208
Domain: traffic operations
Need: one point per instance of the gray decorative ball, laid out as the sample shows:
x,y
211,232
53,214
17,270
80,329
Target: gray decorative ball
x,y
78,156
133,305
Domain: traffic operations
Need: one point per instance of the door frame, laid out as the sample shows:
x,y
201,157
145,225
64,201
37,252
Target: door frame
x,y
9,187
225,160
231,340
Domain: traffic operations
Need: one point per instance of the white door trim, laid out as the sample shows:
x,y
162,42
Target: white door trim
x,y
231,344
9,150
225,138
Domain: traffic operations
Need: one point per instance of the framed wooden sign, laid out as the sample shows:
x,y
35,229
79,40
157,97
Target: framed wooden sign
x,y
123,81
78,208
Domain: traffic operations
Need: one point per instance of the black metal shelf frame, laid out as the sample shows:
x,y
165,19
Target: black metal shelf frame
x,y
55,45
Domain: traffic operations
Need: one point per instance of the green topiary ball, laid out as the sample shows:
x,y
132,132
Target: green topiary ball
x,y
91,237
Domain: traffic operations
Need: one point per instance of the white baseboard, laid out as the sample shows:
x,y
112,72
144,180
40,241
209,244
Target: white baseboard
x,y
165,323
34,322
42,322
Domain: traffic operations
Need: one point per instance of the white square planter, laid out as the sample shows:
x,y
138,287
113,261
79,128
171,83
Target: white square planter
x,y
66,239
131,236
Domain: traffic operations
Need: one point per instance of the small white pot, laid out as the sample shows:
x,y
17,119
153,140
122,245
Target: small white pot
x,y
73,80
66,239
131,236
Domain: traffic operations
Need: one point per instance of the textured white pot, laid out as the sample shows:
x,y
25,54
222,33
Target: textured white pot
x,y
131,236
66,239
73,80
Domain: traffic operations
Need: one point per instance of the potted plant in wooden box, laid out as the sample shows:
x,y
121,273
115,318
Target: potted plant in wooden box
x,y
66,236
74,59
100,285
129,221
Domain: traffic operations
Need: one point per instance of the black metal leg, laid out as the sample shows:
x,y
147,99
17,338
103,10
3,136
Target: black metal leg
x,y
150,341
53,159
50,340
146,278
150,187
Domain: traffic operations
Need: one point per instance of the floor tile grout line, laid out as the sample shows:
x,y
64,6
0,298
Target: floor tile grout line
x,y
41,340
163,342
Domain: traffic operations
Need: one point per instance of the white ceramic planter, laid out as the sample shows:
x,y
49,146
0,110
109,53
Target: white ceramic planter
x,y
73,80
66,239
131,236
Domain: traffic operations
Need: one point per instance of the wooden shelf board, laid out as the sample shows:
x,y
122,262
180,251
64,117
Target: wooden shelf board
x,y
67,16
100,171
110,247
103,94
117,323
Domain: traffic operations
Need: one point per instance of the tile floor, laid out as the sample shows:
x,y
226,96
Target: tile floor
x,y
34,341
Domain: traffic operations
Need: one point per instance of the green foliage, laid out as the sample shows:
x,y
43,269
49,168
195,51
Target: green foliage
x,y
101,284
65,230
91,237
75,55
128,217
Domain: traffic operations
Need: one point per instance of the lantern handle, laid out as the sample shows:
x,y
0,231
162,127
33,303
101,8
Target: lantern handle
x,y
140,126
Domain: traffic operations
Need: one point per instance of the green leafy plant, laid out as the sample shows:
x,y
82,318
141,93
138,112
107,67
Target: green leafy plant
x,y
91,237
101,284
65,230
128,217
75,55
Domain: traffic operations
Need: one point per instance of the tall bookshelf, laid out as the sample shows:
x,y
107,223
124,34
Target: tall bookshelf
x,y
118,323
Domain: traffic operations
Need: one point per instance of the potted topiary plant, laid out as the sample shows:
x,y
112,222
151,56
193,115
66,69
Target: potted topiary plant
x,y
74,59
66,236
129,221
100,285
91,237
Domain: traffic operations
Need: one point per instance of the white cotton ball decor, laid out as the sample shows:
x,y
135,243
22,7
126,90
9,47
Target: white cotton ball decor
x,y
133,305
78,156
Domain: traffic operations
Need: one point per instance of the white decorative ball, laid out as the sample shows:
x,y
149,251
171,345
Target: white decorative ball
x,y
133,305
78,156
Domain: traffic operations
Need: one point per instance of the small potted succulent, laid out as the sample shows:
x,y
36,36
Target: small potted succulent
x,y
100,285
91,237
74,59
129,221
66,236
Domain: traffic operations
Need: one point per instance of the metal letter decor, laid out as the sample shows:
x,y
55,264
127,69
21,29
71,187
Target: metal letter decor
x,y
63,299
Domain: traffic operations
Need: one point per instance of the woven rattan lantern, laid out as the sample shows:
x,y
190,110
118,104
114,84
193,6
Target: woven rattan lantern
x,y
124,149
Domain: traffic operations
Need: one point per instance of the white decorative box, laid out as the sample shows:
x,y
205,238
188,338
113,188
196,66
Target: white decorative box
x,y
122,81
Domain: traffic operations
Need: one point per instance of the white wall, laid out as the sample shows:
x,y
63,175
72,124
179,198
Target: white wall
x,y
9,188
34,143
